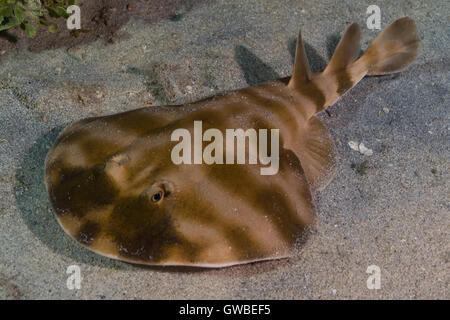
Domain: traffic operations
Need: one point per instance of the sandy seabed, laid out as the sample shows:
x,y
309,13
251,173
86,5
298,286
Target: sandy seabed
x,y
390,209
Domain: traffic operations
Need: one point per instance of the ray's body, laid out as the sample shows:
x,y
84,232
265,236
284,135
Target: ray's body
x,y
115,189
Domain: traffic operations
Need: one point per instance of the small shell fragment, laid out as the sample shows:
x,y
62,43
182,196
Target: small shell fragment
x,y
360,147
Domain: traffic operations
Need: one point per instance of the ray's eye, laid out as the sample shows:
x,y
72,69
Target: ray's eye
x,y
158,191
157,196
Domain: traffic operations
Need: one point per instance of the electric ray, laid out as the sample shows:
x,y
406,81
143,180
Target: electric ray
x,y
116,190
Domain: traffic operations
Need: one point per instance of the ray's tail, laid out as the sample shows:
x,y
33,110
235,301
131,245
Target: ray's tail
x,y
391,51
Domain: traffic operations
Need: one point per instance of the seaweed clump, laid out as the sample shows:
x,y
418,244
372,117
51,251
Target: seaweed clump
x,y
30,15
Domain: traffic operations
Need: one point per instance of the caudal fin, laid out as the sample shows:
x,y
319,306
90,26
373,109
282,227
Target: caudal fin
x,y
394,48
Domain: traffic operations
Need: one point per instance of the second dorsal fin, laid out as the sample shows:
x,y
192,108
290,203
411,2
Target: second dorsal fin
x,y
302,72
347,49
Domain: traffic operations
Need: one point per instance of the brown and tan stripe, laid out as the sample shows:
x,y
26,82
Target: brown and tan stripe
x,y
116,191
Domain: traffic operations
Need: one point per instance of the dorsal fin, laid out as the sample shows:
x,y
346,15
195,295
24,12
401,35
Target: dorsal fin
x,y
301,73
347,49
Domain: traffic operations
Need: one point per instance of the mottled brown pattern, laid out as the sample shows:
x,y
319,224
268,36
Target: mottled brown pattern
x,y
80,190
143,230
88,232
314,93
115,189
344,82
